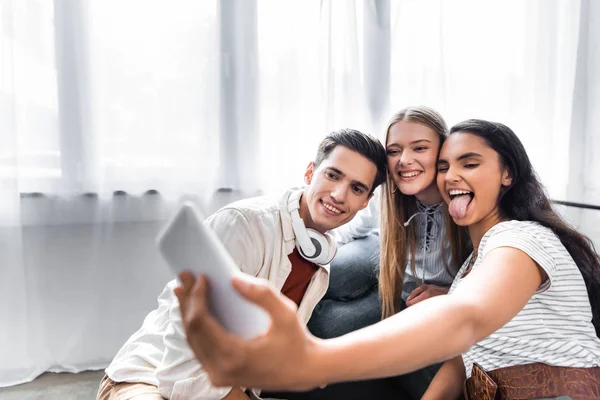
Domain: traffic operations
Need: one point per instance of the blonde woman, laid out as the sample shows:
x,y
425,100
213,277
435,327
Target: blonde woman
x,y
417,259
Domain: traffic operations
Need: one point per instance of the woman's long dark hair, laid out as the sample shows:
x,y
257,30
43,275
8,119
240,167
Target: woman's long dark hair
x,y
526,200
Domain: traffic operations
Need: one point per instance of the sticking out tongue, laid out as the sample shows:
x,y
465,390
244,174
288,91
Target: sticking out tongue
x,y
458,206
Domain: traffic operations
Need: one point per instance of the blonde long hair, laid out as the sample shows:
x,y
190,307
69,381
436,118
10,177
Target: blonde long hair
x,y
396,239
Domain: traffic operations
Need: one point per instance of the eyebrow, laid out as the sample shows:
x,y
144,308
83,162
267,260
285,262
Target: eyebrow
x,y
464,156
354,182
414,142
469,155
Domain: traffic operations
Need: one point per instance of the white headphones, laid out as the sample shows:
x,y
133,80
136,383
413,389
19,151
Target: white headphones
x,y
312,245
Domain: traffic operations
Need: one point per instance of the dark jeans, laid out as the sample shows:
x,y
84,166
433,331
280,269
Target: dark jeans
x,y
352,302
410,386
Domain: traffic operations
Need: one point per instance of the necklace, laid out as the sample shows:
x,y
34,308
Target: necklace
x,y
472,260
470,264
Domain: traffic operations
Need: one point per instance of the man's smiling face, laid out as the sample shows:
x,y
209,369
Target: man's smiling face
x,y
338,188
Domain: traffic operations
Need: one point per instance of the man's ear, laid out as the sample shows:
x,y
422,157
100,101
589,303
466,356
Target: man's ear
x,y
308,174
506,178
366,203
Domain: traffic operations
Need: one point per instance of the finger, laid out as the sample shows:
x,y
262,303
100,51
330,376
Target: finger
x,y
411,300
422,296
199,316
204,332
187,279
438,290
414,293
181,295
264,295
192,297
411,295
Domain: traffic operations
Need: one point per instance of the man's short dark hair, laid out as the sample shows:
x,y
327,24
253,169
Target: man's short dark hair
x,y
366,145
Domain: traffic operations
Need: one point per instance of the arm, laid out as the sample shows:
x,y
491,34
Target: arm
x,y
439,328
431,331
179,373
448,382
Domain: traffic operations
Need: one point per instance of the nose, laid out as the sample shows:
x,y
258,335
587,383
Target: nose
x,y
451,176
406,158
338,193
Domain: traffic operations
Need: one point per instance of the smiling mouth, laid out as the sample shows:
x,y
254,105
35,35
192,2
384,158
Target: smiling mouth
x,y
410,174
456,192
331,208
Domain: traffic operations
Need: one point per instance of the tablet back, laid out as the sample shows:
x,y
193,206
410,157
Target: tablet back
x,y
187,243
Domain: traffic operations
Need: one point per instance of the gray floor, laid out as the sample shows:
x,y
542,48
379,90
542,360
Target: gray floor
x,y
49,386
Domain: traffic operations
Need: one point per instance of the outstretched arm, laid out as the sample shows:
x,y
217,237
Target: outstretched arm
x,y
287,356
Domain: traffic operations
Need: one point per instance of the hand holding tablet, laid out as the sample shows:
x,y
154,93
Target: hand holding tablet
x,y
187,244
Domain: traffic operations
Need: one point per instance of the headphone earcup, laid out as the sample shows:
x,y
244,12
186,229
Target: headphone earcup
x,y
312,245
332,248
323,244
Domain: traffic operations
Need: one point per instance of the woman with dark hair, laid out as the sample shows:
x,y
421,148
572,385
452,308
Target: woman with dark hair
x,y
521,318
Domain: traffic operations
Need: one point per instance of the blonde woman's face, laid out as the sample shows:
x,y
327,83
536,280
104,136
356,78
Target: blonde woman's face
x,y
412,151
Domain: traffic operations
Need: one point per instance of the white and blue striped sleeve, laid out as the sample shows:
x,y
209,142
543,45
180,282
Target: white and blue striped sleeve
x,y
535,241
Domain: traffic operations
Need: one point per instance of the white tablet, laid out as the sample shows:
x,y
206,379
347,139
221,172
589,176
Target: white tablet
x,y
187,244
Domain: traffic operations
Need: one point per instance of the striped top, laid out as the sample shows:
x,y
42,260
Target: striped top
x,y
555,326
433,254
431,260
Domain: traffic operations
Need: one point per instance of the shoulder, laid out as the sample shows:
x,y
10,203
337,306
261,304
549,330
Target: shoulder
x,y
255,212
539,243
521,231
249,229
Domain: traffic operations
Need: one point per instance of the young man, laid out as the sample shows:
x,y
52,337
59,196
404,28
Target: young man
x,y
283,240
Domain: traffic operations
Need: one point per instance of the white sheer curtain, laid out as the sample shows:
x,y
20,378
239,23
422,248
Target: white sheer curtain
x,y
112,111
510,61
310,75
108,114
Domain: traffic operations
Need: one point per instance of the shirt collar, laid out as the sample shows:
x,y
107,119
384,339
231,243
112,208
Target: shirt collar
x,y
286,217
